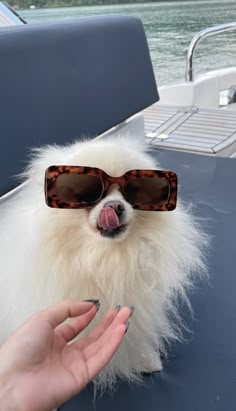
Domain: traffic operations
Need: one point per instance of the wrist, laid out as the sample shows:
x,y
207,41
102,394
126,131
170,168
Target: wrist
x,y
7,394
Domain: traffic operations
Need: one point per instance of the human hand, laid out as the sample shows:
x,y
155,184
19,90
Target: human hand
x,y
39,370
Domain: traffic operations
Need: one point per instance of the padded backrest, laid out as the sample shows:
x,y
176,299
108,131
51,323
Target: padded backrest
x,y
59,82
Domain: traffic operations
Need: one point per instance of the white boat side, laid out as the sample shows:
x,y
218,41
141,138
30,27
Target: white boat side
x,y
197,114
8,16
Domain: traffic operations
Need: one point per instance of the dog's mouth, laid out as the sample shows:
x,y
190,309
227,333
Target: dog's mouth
x,y
115,232
110,221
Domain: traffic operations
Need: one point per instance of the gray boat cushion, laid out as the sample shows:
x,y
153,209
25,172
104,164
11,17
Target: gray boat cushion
x,y
63,81
199,374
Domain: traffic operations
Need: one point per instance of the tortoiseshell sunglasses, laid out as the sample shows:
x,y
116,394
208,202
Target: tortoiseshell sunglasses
x,y
84,187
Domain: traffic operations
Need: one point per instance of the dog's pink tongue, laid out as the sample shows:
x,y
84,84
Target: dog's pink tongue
x,y
108,219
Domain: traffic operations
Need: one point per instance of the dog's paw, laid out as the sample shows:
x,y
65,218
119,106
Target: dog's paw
x,y
154,366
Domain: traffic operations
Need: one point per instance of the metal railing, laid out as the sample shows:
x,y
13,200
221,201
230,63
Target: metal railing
x,y
210,31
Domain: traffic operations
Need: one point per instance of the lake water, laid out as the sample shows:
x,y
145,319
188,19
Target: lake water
x,y
169,27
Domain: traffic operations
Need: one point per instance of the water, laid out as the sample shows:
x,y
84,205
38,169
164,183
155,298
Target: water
x,y
169,27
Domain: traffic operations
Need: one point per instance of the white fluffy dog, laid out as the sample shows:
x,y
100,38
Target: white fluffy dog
x,y
49,254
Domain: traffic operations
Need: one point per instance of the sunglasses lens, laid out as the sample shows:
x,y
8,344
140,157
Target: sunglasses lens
x,y
79,188
148,191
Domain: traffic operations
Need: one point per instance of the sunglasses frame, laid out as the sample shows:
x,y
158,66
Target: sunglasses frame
x,y
53,172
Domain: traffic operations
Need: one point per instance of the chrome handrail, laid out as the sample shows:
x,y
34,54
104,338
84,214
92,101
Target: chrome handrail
x,y
210,31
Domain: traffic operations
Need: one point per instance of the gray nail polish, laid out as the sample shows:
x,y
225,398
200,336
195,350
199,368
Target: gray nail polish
x,y
118,307
132,309
126,326
96,302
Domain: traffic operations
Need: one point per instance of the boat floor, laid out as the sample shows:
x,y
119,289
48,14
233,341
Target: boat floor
x,y
205,131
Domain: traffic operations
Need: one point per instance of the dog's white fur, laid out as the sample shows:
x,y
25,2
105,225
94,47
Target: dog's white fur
x,y
47,255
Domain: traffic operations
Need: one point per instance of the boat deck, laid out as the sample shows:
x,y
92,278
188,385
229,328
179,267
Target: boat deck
x,y
205,131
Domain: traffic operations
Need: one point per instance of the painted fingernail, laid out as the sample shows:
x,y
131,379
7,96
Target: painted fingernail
x,y
132,309
126,327
118,307
96,302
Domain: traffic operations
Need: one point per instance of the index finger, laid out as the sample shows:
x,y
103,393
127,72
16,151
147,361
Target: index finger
x,y
58,313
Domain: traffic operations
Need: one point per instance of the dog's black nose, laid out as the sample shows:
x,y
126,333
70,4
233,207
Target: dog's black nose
x,y
118,206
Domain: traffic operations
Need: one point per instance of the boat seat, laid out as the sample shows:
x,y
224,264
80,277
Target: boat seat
x,y
64,81
191,129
